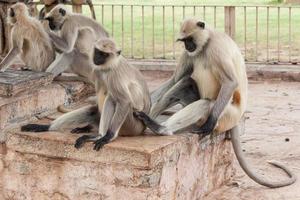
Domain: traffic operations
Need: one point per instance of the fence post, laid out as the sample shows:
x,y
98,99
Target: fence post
x,y
77,6
230,20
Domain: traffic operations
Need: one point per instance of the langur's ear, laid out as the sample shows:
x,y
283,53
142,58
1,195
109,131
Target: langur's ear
x,y
62,12
119,52
201,24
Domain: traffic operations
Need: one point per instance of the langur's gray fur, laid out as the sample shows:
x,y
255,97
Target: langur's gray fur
x,y
29,40
74,35
214,64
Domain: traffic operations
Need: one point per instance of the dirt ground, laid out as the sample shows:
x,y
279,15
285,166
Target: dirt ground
x,y
272,133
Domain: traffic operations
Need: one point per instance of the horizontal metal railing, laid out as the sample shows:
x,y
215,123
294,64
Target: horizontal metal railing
x,y
265,34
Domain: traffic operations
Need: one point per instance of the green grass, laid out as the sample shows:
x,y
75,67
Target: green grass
x,y
169,36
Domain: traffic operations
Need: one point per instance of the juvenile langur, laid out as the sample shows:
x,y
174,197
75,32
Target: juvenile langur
x,y
80,57
212,63
49,4
74,35
120,88
29,40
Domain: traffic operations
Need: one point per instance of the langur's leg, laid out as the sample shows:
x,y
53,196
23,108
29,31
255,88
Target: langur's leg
x,y
85,129
196,112
229,118
82,116
184,92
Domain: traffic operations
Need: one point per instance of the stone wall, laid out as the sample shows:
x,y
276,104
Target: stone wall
x,y
47,166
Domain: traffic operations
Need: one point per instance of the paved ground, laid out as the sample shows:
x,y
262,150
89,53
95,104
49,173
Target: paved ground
x,y
274,118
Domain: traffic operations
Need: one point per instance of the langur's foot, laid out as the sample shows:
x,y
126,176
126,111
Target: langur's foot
x,y
85,129
83,139
206,128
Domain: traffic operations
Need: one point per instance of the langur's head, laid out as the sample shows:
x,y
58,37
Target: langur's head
x,y
105,53
57,16
194,34
17,12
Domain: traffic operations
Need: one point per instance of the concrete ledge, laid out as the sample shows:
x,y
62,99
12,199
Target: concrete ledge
x,y
255,71
39,102
47,166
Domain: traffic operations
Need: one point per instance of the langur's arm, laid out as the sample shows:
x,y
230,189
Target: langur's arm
x,y
120,115
17,44
60,64
183,68
106,115
228,85
118,118
66,42
105,135
9,58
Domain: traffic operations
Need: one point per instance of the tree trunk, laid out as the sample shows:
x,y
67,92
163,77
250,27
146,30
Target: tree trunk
x,y
4,27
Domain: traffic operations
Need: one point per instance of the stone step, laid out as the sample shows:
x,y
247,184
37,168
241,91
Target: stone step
x,y
47,166
40,101
13,82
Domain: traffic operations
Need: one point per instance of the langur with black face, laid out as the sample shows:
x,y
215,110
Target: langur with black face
x,y
73,34
120,89
29,40
212,67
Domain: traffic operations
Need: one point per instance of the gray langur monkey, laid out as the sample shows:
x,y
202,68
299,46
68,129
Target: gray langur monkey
x,y
74,35
212,67
121,90
49,4
29,40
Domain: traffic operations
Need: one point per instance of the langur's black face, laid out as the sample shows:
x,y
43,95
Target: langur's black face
x,y
12,16
12,12
100,57
189,44
56,19
51,23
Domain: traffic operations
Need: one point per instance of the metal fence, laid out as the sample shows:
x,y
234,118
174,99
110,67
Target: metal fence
x,y
265,34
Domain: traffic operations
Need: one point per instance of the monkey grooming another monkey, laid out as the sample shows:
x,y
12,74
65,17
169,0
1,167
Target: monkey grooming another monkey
x,y
120,88
29,40
74,35
212,67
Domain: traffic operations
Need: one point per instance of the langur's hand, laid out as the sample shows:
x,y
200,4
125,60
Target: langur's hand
x,y
207,127
45,24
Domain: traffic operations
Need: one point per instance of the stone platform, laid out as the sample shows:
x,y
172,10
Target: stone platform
x,y
38,100
47,166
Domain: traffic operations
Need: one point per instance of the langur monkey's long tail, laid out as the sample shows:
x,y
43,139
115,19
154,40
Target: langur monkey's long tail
x,y
236,143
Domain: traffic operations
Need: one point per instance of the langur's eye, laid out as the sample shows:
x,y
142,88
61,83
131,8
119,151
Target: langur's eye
x,y
62,12
189,39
